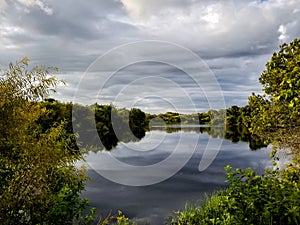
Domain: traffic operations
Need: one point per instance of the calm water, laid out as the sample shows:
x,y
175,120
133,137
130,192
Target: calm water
x,y
153,203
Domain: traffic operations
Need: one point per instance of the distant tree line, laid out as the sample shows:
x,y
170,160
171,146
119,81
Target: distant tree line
x,y
112,124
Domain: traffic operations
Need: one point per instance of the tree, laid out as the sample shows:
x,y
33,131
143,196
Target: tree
x,y
232,115
137,122
281,79
39,183
281,84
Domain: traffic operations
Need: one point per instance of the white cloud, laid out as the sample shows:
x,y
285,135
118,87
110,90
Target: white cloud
x,y
3,5
282,31
213,15
214,25
144,8
37,3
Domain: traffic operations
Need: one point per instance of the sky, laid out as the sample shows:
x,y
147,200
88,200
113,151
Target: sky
x,y
158,55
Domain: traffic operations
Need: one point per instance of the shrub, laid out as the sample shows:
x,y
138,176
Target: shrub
x,y
272,198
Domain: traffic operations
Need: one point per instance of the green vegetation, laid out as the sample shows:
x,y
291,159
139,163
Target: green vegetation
x,y
274,197
171,118
112,124
211,117
39,183
118,219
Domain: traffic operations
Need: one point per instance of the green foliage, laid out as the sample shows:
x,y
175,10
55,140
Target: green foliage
x,y
171,118
249,199
217,118
123,220
39,181
112,124
137,122
280,106
204,118
281,79
119,219
232,115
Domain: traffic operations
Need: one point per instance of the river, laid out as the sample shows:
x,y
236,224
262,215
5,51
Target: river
x,y
152,204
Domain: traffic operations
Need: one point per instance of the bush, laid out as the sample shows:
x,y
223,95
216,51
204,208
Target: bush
x,y
272,198
39,182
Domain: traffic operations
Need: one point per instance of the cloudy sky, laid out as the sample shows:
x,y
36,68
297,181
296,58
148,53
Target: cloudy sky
x,y
202,51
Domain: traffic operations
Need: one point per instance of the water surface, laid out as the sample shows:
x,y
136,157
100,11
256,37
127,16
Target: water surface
x,y
152,204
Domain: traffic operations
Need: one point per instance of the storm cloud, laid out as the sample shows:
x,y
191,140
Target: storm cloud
x,y
233,38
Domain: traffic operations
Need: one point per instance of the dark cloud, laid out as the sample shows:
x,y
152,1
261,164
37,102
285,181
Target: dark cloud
x,y
234,38
67,34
